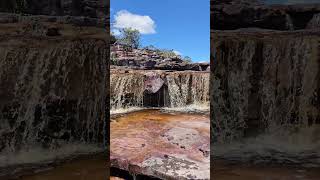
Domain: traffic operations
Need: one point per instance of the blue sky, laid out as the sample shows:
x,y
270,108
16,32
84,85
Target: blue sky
x,y
182,25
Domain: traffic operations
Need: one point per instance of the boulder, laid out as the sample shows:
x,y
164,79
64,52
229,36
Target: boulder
x,y
152,82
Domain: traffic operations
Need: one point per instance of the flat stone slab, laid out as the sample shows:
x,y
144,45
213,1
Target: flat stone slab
x,y
161,144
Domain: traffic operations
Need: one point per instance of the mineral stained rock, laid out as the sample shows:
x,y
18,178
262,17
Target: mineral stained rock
x,y
162,145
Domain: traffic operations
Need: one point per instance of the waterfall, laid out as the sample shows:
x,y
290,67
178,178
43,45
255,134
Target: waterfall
x,y
265,96
180,89
188,88
54,95
126,90
314,23
289,22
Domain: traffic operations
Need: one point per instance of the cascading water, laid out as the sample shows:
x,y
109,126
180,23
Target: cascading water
x,y
314,22
265,98
53,102
289,22
126,91
180,89
188,89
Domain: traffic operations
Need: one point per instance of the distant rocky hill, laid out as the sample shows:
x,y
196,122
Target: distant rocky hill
x,y
125,57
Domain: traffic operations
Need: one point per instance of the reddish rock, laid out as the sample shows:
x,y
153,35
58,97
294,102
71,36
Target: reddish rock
x,y
163,145
152,82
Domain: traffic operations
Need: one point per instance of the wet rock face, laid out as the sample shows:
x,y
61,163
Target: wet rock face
x,y
52,88
263,80
237,14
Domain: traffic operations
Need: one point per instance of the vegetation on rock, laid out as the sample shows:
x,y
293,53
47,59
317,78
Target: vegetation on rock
x,y
130,38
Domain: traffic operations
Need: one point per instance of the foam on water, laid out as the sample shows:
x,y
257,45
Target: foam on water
x,y
125,110
197,107
285,147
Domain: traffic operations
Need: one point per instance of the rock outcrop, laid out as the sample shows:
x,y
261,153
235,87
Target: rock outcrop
x,y
87,8
146,59
235,14
161,145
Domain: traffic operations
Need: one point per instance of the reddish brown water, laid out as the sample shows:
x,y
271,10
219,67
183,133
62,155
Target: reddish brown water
x,y
222,171
94,168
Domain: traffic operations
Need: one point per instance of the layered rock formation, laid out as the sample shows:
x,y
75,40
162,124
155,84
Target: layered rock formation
x,y
86,8
264,79
125,57
53,76
235,14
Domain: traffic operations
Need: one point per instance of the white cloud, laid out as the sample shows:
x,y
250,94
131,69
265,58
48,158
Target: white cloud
x,y
125,19
203,61
116,32
178,53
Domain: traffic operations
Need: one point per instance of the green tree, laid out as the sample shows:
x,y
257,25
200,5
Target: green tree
x,y
113,38
168,53
130,37
151,47
187,59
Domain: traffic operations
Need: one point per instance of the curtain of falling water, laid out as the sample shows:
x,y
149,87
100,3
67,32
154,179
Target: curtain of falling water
x,y
188,88
279,97
184,88
126,90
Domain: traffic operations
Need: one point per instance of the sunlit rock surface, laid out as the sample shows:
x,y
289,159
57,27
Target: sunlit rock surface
x,y
162,145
